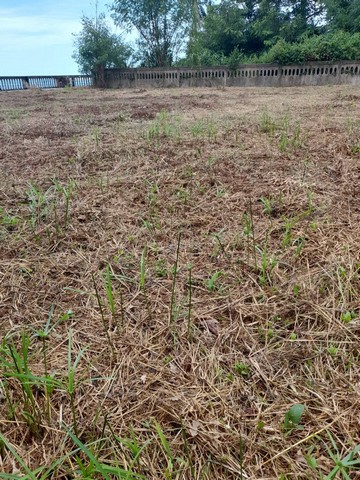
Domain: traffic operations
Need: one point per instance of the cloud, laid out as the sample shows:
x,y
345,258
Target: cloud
x,y
36,36
34,31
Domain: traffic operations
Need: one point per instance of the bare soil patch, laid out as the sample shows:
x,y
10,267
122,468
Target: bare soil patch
x,y
199,250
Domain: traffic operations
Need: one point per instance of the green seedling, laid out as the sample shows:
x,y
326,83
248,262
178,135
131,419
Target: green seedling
x,y
164,444
105,324
7,220
109,276
143,280
39,204
296,290
285,132
41,473
211,129
175,272
296,138
29,474
305,166
249,232
268,205
190,287
266,333
153,192
160,268
65,316
287,139
14,364
101,183
220,192
212,159
332,350
197,129
289,224
242,369
343,466
70,383
355,149
109,291
310,459
221,246
143,269
204,128
293,417
165,126
132,445
283,142
246,221
66,191
267,124
43,335
96,136
267,265
211,284
14,114
299,243
183,195
347,316
98,468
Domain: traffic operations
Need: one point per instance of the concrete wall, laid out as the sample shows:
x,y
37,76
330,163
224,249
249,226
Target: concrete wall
x,y
315,73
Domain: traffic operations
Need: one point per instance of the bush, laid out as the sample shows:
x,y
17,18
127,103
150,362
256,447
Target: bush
x,y
326,47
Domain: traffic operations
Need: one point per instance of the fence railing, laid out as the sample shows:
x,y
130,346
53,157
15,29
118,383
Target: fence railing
x,y
313,73
261,75
45,81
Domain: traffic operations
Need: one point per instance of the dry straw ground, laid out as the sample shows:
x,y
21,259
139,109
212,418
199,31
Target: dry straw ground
x,y
178,269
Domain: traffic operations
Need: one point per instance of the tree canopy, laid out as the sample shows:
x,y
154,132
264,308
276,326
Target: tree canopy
x,y
96,47
162,26
276,30
206,32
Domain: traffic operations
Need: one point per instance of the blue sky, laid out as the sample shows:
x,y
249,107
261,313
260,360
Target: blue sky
x,y
36,35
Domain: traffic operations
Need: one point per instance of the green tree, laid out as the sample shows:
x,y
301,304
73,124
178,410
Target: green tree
x,y
343,15
240,28
97,48
224,27
265,26
162,26
304,17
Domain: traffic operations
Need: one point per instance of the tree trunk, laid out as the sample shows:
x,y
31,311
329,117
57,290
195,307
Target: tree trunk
x,y
100,76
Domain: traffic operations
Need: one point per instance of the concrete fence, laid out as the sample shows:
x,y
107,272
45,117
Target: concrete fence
x,y
260,75
57,81
264,75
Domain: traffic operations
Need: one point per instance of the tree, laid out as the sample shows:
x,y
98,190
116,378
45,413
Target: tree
x,y
162,25
264,26
98,48
343,15
304,17
224,27
244,30
236,28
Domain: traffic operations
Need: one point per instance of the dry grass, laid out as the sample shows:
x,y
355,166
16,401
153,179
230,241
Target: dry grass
x,y
201,363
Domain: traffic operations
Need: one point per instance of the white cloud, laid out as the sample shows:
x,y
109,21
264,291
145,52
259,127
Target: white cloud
x,y
36,36
24,32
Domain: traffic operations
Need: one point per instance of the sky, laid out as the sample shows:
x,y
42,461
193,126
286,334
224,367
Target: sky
x,y
36,36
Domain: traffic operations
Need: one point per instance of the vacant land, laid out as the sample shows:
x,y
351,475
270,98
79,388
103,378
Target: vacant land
x,y
179,284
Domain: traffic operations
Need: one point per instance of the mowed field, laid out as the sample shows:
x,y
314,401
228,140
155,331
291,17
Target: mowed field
x,y
180,283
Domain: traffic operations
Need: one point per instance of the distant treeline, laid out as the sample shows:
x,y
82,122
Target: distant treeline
x,y
323,47
206,32
276,31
